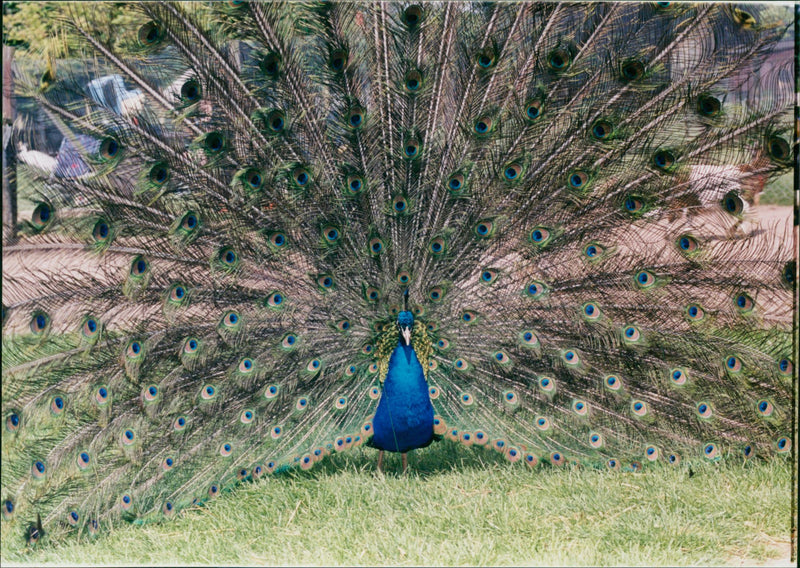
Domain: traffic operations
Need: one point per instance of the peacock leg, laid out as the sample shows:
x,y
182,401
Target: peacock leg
x,y
380,460
405,461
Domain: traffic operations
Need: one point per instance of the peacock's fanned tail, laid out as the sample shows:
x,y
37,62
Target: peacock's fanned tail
x,y
207,288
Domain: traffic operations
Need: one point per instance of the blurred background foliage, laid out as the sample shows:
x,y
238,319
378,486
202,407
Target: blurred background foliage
x,y
31,27
34,29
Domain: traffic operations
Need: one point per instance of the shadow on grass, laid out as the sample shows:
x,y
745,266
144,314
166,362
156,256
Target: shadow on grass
x,y
439,458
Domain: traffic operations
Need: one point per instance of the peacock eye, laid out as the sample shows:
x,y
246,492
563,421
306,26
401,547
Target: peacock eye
x,y
535,289
708,106
540,235
177,293
632,70
101,231
270,65
645,279
150,393
663,159
231,319
571,357
139,266
483,125
275,122
208,392
214,142
42,215
412,16
275,300
633,204
631,334
559,60
372,294
253,179
593,251
512,171
529,338
437,246
159,174
533,110
354,184
484,229
190,91
503,358
400,204
639,408
289,341
411,148
134,349
687,244
455,183
109,148
744,303
488,276
355,118
331,234
376,246
765,408
602,130
39,323
278,240
486,59
733,204
578,179
57,405
338,60
704,410
325,282
695,312
301,177
101,395
150,34
83,460
779,149
413,81
228,257
591,311
679,376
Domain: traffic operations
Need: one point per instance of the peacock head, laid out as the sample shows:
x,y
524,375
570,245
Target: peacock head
x,y
405,321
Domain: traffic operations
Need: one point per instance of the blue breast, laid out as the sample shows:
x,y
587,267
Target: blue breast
x,y
404,418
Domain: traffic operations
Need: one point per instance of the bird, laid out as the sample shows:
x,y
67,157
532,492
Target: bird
x,y
283,230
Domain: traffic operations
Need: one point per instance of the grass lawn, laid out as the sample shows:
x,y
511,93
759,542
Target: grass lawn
x,y
462,506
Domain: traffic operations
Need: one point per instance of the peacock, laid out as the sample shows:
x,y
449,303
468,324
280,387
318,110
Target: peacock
x,y
270,232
